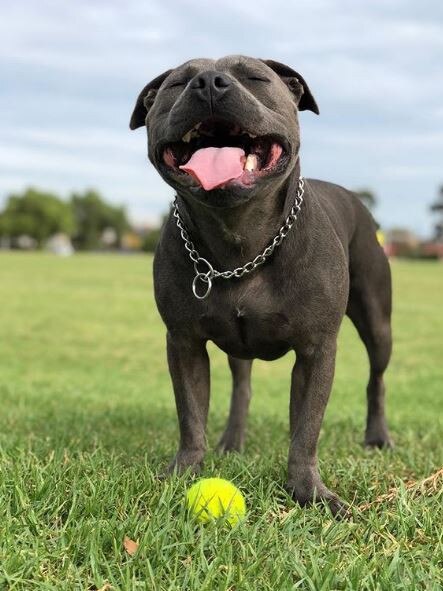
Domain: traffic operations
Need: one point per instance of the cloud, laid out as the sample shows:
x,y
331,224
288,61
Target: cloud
x,y
71,72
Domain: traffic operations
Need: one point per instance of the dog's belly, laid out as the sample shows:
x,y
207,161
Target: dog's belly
x,y
248,334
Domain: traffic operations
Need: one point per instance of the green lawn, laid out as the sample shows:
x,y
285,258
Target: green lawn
x,y
88,420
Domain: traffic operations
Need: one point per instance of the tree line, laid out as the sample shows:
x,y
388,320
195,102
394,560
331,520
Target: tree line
x,y
84,217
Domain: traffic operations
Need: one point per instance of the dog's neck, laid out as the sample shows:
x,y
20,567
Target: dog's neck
x,y
230,237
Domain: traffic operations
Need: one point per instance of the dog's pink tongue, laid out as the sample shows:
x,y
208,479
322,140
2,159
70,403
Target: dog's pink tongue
x,y
213,167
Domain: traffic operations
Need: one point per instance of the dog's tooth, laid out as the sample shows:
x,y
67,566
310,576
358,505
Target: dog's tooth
x,y
187,137
251,162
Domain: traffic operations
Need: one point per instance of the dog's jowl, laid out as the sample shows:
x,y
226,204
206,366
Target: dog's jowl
x,y
257,259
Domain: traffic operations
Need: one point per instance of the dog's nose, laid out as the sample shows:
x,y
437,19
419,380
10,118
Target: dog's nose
x,y
210,85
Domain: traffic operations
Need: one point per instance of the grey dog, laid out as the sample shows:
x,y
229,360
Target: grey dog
x,y
225,135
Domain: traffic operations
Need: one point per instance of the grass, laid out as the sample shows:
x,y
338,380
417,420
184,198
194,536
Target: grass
x,y
88,419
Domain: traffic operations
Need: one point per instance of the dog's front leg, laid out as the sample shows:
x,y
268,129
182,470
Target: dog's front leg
x,y
189,368
311,385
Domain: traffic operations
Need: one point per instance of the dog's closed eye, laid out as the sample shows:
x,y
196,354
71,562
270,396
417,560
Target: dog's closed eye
x,y
177,83
258,79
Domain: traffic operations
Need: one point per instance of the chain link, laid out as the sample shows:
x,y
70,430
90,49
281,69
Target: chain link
x,y
205,278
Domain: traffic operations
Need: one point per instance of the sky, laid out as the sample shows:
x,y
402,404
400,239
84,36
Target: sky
x,y
70,73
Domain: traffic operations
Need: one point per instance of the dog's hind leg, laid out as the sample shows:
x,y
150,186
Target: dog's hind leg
x,y
369,308
234,434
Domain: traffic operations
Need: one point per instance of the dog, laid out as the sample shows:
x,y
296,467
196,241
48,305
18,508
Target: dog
x,y
257,259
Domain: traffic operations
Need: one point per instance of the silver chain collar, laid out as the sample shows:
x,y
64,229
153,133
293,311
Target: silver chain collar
x,y
206,278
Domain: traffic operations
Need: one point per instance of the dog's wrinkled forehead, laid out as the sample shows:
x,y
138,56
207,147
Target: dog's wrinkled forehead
x,y
234,64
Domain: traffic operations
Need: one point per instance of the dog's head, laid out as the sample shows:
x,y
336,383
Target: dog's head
x,y
223,131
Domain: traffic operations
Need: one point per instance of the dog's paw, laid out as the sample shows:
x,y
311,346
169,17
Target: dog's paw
x,y
185,461
380,443
320,494
230,442
377,434
338,507
378,438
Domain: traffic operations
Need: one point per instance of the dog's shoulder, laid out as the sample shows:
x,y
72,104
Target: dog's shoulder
x,y
343,208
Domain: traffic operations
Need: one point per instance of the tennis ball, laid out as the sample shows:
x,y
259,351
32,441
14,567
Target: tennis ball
x,y
211,498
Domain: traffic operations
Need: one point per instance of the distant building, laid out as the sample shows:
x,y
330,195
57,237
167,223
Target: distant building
x,y
24,242
131,241
109,237
433,249
60,244
401,242
134,238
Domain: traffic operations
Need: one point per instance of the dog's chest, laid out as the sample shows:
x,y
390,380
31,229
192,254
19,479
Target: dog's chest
x,y
248,326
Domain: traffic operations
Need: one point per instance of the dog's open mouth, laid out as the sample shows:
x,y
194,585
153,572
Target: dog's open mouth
x,y
217,153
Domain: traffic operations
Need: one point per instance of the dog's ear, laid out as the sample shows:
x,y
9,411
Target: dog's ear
x,y
145,100
296,84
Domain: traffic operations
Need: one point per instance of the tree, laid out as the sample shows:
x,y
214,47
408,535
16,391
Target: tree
x,y
153,236
437,208
37,214
367,197
151,239
93,216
